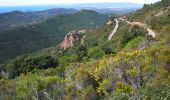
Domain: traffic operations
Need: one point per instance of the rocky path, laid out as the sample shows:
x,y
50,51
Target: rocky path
x,y
150,32
114,30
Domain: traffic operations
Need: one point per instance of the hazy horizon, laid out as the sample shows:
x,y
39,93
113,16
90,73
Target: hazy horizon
x,y
4,9
38,5
9,3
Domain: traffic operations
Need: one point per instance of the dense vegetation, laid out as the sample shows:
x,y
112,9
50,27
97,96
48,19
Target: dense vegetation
x,y
133,65
14,19
31,38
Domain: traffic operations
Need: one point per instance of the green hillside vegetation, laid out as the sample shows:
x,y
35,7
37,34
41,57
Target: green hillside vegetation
x,y
132,65
156,16
31,38
14,19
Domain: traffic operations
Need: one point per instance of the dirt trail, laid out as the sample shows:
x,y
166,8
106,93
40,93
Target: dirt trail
x,y
150,32
114,30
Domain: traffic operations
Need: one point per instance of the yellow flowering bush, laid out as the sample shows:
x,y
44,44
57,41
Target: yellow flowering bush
x,y
103,86
132,71
125,56
123,88
97,68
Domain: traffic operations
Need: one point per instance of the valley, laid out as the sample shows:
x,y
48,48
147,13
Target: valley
x,y
31,38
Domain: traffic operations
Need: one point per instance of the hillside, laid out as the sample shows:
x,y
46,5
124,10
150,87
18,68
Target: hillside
x,y
30,38
14,19
156,16
131,65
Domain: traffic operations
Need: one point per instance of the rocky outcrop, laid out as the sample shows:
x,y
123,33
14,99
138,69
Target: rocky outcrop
x,y
69,40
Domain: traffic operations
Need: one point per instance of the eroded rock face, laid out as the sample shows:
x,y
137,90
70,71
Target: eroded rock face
x,y
69,40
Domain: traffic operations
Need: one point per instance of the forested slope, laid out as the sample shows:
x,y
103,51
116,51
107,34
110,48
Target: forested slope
x,y
31,38
132,65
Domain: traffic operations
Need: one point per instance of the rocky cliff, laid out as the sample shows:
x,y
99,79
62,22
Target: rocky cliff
x,y
69,40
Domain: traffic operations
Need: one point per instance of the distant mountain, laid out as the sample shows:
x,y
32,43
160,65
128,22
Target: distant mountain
x,y
23,15
90,6
77,6
118,11
17,18
30,38
107,5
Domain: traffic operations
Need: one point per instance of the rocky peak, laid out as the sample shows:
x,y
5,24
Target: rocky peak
x,y
69,40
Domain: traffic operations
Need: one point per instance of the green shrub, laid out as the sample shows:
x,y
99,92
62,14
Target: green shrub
x,y
95,53
25,64
27,87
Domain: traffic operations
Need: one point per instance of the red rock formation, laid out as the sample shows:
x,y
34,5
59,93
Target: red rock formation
x,y
69,40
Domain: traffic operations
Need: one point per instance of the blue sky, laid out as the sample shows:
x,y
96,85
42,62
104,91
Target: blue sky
x,y
46,2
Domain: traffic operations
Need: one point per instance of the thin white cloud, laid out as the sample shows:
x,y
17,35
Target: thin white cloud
x,y
40,2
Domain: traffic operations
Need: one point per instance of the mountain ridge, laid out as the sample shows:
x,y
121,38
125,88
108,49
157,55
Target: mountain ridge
x,y
18,18
77,6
